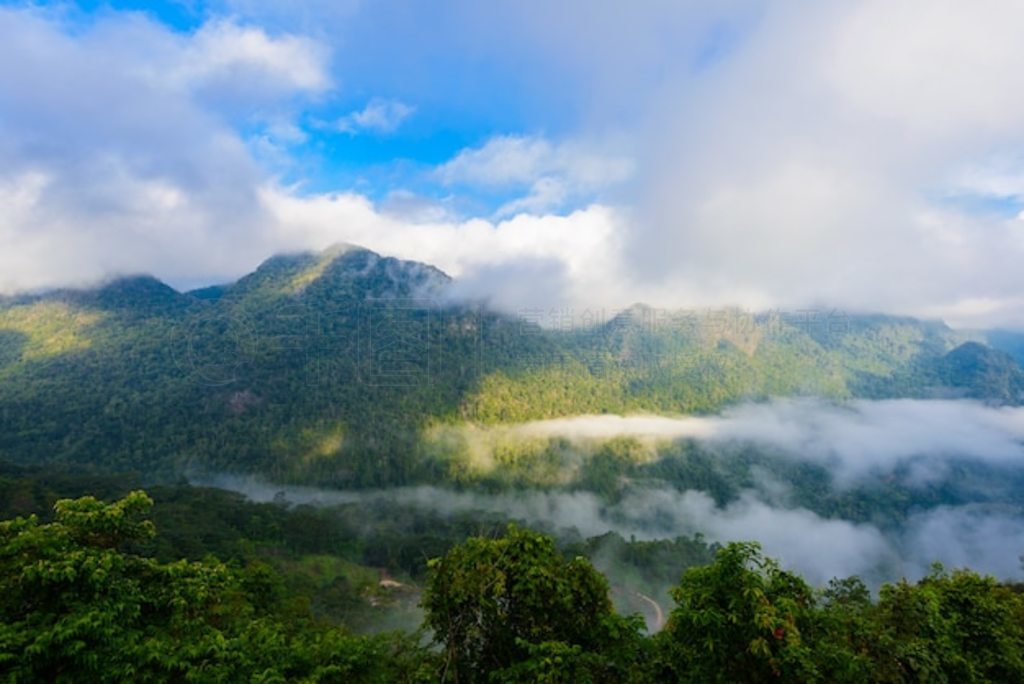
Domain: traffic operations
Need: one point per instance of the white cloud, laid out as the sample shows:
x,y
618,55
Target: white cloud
x,y
223,53
544,194
999,179
379,116
812,165
819,548
967,537
513,262
942,71
116,156
163,184
809,161
782,155
519,160
861,442
854,440
551,173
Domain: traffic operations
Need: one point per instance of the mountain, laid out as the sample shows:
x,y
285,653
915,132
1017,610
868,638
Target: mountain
x,y
983,373
331,367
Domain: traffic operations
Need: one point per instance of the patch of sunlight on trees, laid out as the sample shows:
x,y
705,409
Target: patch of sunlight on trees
x,y
325,445
311,445
50,328
515,454
301,281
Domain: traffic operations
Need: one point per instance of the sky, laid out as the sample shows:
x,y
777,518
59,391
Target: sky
x,y
865,155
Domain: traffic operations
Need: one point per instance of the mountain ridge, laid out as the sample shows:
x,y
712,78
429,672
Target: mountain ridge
x,y
332,367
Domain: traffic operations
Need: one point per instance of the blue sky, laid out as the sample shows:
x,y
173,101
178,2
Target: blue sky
x,y
450,94
457,76
864,155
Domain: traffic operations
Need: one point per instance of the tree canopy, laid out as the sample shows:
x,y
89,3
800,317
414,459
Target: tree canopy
x,y
81,601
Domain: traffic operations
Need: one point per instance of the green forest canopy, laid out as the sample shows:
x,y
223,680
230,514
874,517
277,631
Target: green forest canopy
x,y
79,602
330,368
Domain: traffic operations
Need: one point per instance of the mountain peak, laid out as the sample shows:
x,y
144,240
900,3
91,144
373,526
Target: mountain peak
x,y
139,295
342,270
983,372
135,283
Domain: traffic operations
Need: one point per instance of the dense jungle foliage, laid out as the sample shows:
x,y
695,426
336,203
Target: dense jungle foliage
x,y
81,599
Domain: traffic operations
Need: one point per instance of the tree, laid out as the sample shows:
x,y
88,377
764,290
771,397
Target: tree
x,y
514,609
738,620
843,633
77,605
958,627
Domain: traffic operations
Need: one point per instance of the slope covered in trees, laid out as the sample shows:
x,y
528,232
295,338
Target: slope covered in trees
x,y
331,367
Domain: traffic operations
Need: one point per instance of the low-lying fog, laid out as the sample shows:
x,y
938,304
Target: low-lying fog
x,y
853,439
858,441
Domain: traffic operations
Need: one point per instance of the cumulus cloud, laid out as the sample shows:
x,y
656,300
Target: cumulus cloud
x,y
551,173
378,116
812,164
783,155
799,157
164,183
119,157
519,160
768,155
515,263
222,55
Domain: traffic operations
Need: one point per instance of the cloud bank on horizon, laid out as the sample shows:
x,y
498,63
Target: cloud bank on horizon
x,y
863,155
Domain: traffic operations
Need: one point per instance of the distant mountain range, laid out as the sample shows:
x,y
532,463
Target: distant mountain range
x,y
330,367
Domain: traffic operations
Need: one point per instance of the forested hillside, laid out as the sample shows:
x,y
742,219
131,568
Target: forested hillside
x,y
331,368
